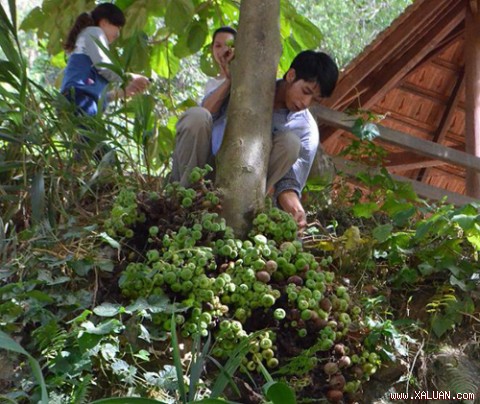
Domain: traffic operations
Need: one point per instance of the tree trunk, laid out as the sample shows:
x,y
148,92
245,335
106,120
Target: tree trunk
x,y
242,161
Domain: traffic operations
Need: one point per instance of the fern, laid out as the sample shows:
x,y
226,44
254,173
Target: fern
x,y
45,335
456,372
82,391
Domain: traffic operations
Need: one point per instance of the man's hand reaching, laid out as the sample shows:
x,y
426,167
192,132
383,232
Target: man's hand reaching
x,y
290,203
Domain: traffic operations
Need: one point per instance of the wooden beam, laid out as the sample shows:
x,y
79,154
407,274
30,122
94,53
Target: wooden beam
x,y
402,140
446,121
472,96
406,120
422,190
393,73
474,7
407,161
456,35
424,93
405,31
447,117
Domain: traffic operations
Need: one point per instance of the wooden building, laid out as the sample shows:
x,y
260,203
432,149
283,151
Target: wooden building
x,y
423,75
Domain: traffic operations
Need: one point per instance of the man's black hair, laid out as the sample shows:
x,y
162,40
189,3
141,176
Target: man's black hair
x,y
227,29
316,66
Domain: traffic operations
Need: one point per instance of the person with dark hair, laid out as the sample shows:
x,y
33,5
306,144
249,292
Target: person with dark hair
x,y
295,138
85,80
223,54
217,90
211,115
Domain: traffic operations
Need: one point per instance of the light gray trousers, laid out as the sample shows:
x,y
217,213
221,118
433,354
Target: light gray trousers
x,y
193,148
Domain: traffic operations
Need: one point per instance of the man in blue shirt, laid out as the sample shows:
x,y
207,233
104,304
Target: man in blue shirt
x,y
295,138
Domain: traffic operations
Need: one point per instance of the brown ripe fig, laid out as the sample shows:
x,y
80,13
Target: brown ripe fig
x,y
295,279
357,372
319,324
314,316
330,368
339,349
334,396
294,314
337,382
325,304
271,266
263,276
344,362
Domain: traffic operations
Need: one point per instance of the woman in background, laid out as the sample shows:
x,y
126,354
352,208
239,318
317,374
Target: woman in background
x,y
84,81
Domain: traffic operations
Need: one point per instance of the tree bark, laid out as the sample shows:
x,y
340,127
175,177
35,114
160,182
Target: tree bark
x,y
472,93
242,161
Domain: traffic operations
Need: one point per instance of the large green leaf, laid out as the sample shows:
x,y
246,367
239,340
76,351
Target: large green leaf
x,y
382,232
279,393
179,14
197,36
305,33
33,19
234,361
207,64
136,18
177,361
9,344
164,62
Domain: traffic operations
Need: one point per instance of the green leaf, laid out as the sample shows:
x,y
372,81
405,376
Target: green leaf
x,y
128,400
466,222
40,296
441,324
454,281
164,62
365,131
426,269
81,267
207,64
179,14
33,19
279,393
290,49
108,309
474,241
401,218
105,265
407,275
305,33
232,364
177,360
383,232
113,243
197,36
182,48
9,344
365,210
198,365
103,328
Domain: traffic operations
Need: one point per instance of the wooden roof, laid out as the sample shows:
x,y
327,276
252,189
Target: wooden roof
x,y
413,73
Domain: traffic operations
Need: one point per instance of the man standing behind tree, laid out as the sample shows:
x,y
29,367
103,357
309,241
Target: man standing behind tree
x,y
295,138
